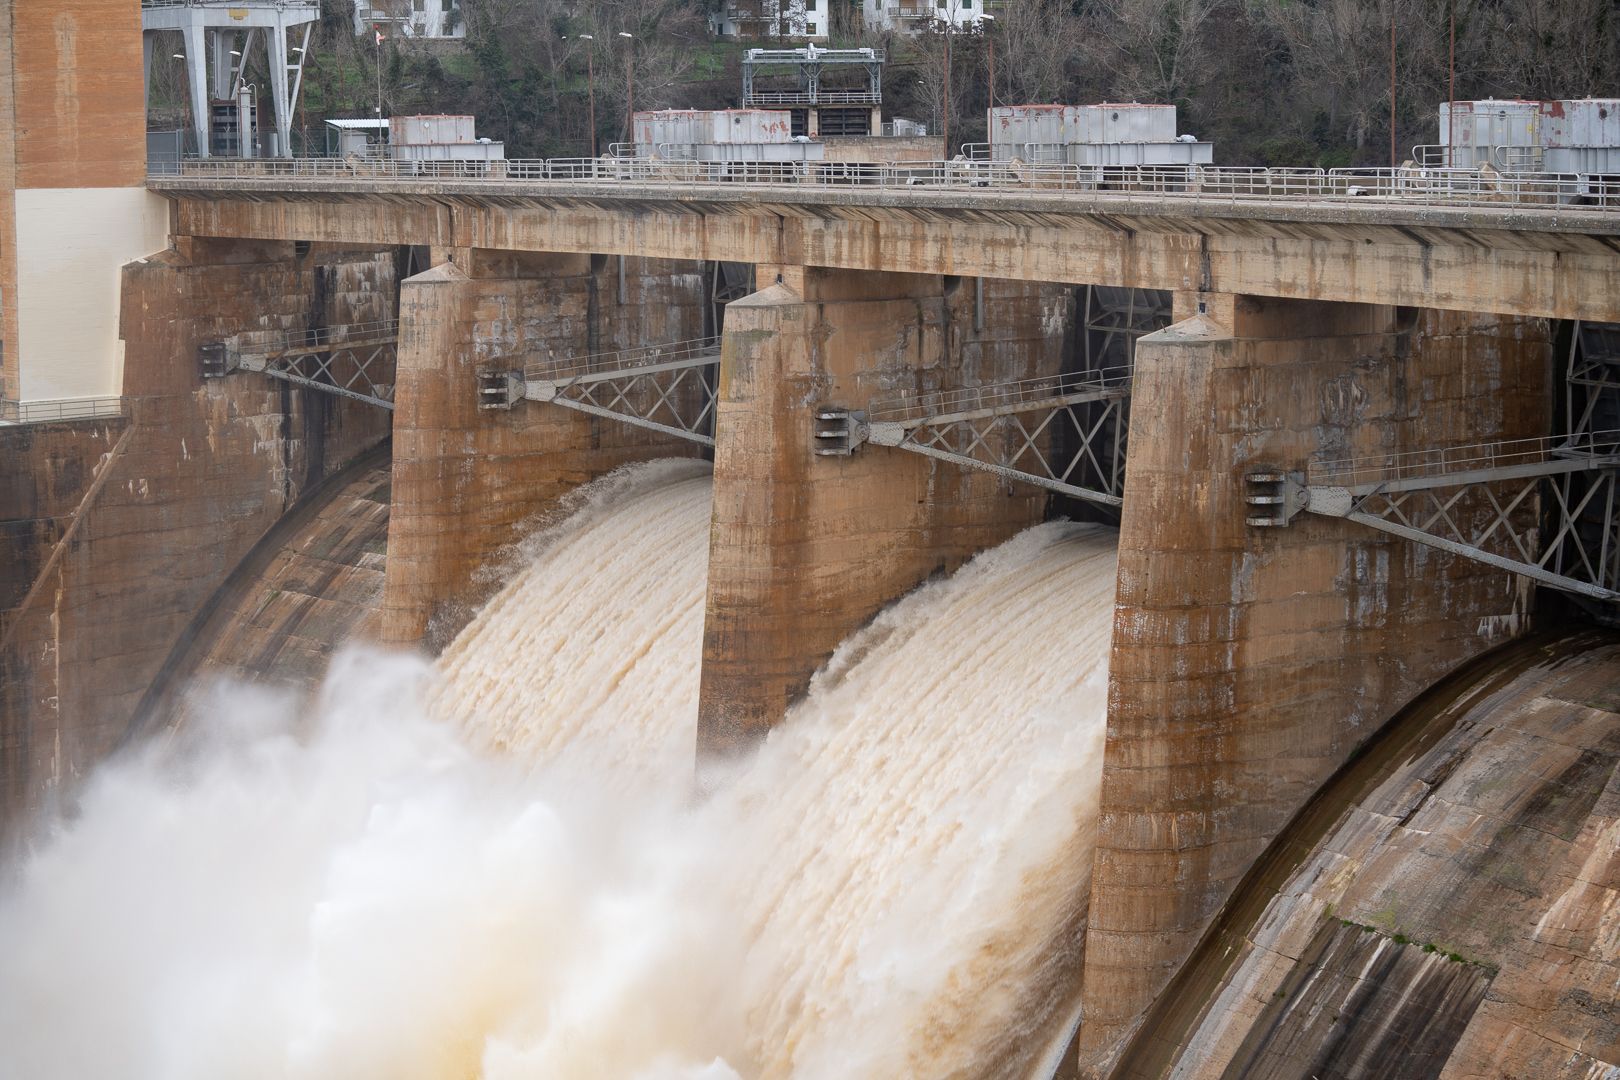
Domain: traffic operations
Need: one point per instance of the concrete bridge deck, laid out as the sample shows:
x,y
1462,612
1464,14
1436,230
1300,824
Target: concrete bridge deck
x,y
1463,254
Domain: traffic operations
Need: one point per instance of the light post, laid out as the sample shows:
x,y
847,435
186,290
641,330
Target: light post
x,y
987,22
629,84
945,90
590,87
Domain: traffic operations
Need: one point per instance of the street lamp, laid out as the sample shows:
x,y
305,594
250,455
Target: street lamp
x,y
990,53
590,87
630,84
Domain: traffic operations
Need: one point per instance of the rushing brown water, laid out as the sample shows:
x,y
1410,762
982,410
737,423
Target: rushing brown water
x,y
892,885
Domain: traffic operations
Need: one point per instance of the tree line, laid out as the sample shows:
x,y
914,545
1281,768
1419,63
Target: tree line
x,y
1270,82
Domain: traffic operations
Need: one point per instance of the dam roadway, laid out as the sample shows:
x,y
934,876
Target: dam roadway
x,y
1470,251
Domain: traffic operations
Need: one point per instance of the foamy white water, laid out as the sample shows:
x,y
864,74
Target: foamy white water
x,y
892,886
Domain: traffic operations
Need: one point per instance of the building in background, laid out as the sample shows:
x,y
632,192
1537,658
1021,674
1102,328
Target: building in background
x,y
73,202
756,20
410,18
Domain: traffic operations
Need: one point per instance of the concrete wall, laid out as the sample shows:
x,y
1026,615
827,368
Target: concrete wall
x,y
70,244
72,204
208,466
1248,663
466,480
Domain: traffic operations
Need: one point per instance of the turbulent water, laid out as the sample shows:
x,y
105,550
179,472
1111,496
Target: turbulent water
x,y
498,868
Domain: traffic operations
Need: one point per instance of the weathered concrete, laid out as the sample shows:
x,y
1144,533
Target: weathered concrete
x,y
1443,908
208,466
1539,262
465,480
805,549
1247,663
311,584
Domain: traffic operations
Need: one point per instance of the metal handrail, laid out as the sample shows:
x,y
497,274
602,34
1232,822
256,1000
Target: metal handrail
x,y
1002,395
318,338
42,412
1356,472
621,359
313,5
806,97
1204,184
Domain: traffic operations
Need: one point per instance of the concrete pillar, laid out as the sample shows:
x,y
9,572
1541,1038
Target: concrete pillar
x,y
1248,663
806,549
197,81
464,479
280,98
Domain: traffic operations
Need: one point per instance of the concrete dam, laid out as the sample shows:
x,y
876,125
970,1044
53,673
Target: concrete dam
x,y
914,622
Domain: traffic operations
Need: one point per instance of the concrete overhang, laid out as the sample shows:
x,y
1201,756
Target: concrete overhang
x,y
1546,261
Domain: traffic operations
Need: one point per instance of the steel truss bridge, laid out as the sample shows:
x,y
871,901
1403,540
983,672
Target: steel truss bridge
x,y
1544,508
355,361
667,388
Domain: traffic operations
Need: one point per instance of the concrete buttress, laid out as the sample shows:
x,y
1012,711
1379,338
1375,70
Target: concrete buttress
x,y
466,480
1248,663
806,548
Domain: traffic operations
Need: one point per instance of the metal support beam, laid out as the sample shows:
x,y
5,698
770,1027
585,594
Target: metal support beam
x,y
197,82
355,361
666,388
1541,508
279,92
1032,430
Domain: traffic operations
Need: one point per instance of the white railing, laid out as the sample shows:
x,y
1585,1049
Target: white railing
x,y
998,397
1198,183
805,97
44,412
1358,472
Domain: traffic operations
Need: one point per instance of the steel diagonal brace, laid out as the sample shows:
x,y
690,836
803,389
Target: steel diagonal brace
x,y
620,383
1348,502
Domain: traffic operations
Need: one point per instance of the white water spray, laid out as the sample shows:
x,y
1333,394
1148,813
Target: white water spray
x,y
893,886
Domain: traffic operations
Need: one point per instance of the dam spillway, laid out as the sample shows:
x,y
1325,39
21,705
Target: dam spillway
x,y
544,879
788,735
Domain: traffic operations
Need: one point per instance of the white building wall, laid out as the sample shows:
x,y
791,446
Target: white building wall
x,y
71,243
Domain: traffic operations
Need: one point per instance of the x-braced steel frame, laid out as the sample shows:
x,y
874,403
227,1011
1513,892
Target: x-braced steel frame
x,y
666,388
1546,508
1010,429
1481,503
356,361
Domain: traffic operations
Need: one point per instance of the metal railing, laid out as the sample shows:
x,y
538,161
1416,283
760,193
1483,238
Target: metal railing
x,y
560,370
270,342
309,5
44,412
998,397
1372,470
806,97
1196,183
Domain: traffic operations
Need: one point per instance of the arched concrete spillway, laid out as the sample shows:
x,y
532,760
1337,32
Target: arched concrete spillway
x,y
1444,907
313,582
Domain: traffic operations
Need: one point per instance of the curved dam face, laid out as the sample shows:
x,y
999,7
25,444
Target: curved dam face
x,y
313,582
1444,907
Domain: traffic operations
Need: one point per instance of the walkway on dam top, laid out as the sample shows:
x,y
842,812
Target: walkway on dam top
x,y
1452,198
